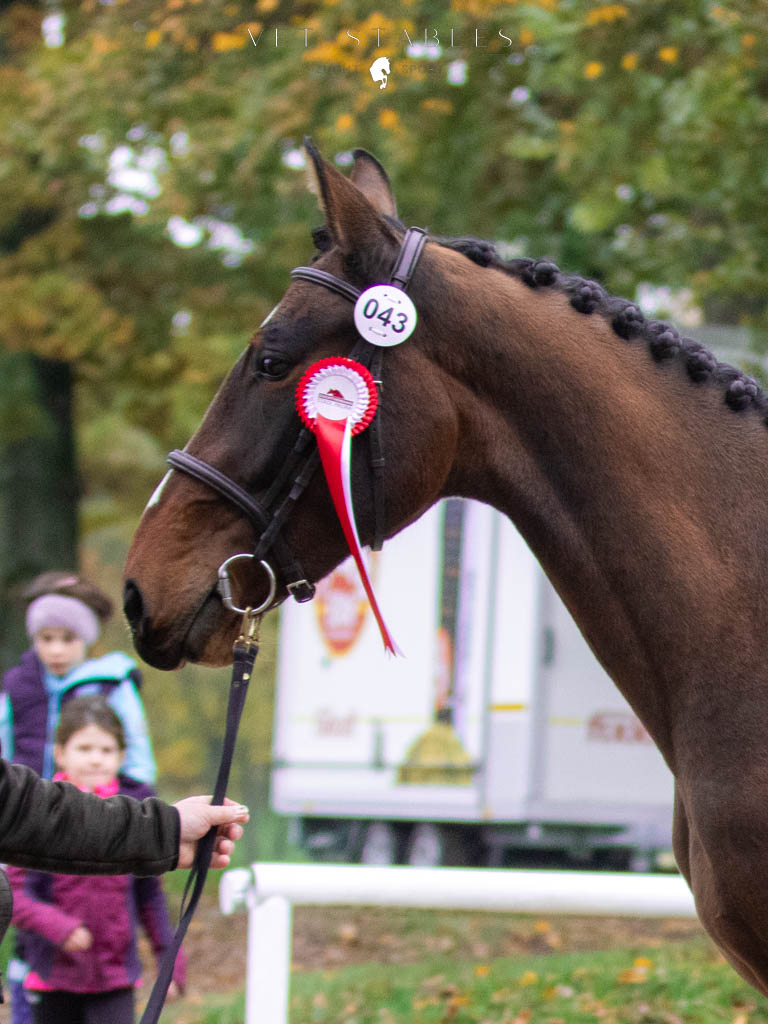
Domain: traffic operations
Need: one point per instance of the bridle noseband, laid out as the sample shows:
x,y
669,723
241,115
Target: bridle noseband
x,y
269,514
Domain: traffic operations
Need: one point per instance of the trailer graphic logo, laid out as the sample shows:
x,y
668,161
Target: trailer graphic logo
x,y
616,727
341,607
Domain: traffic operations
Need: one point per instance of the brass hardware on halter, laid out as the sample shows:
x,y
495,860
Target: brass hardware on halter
x,y
250,629
251,623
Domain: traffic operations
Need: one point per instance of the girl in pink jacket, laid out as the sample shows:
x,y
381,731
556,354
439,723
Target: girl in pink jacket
x,y
80,932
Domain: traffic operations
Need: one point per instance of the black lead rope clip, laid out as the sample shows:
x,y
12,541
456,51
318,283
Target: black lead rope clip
x,y
245,650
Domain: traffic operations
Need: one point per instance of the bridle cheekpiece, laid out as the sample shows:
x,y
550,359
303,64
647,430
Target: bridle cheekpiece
x,y
269,514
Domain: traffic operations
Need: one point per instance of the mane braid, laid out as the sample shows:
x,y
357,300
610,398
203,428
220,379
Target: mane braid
x,y
627,319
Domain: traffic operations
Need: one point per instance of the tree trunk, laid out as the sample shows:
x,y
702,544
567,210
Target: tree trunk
x,y
38,484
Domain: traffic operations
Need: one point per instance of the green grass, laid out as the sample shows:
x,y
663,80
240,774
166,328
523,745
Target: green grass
x,y
679,983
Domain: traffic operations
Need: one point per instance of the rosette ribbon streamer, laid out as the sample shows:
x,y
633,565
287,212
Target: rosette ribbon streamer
x,y
337,398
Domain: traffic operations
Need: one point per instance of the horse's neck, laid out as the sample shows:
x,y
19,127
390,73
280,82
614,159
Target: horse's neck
x,y
640,493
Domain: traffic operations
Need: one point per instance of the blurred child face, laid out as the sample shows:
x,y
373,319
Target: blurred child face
x,y
91,757
59,649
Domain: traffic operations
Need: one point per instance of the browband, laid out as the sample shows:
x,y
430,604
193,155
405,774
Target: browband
x,y
405,264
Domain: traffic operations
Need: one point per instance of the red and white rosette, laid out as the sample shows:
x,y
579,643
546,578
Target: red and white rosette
x,y
337,398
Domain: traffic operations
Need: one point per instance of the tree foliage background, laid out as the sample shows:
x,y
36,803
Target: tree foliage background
x,y
152,197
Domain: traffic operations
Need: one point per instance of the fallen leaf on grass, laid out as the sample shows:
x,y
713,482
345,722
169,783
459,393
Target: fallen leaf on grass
x,y
633,975
501,996
637,973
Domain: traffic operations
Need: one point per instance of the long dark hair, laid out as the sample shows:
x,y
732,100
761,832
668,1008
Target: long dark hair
x,y
84,711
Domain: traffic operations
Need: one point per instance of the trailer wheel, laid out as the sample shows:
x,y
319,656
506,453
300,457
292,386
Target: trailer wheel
x,y
379,844
432,846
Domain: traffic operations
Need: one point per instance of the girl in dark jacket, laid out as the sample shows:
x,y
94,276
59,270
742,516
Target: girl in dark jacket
x,y
80,934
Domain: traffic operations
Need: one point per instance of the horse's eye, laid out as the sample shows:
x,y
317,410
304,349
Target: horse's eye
x,y
272,367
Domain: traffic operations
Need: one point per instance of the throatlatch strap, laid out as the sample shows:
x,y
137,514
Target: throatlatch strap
x,y
242,668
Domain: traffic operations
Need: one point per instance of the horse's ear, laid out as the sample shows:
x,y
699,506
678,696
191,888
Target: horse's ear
x,y
373,181
351,215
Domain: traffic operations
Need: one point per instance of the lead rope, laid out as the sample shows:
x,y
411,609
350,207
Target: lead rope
x,y
245,650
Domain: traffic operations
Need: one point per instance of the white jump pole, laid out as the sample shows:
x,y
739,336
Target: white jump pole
x,y
270,890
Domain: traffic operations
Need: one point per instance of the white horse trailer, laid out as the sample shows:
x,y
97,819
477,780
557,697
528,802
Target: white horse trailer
x,y
497,732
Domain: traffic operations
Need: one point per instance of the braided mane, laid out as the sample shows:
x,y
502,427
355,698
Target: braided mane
x,y
627,319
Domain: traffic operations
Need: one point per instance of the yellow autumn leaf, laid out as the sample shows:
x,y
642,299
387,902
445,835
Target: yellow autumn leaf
x,y
528,978
437,105
606,14
629,61
388,118
222,42
633,976
102,44
593,69
668,54
482,970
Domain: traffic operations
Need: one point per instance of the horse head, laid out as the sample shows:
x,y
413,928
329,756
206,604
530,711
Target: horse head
x,y
188,529
380,71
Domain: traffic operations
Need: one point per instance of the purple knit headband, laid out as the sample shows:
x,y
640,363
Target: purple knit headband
x,y
56,610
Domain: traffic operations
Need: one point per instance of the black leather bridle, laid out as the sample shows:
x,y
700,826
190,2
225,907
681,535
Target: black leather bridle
x,y
269,513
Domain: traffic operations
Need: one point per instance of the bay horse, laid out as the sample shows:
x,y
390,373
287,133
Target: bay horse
x,y
634,464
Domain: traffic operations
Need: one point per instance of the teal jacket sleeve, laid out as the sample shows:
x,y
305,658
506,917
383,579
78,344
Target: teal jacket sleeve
x,y
6,725
139,760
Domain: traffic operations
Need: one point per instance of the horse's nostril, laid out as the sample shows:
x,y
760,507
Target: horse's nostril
x,y
133,605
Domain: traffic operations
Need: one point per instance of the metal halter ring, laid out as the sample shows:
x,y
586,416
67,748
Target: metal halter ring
x,y
224,587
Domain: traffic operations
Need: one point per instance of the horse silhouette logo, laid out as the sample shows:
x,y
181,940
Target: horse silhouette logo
x,y
380,71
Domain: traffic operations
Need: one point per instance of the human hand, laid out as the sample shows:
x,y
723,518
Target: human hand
x,y
173,994
78,941
198,816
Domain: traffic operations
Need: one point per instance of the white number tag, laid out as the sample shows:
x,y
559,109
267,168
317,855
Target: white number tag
x,y
384,315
